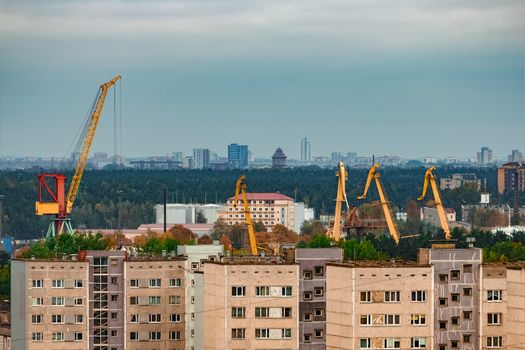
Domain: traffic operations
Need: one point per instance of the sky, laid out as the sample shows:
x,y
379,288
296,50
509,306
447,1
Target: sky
x,y
413,78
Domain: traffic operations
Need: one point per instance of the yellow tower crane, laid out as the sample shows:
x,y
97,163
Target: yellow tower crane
x,y
241,188
374,174
430,177
342,178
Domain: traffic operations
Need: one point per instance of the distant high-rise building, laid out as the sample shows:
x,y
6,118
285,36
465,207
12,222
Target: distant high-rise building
x,y
337,156
279,159
187,162
237,156
201,158
306,150
485,156
177,156
515,156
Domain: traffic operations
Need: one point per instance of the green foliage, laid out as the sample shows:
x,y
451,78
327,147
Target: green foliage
x,y
55,247
258,226
200,219
5,281
360,250
312,227
320,241
505,251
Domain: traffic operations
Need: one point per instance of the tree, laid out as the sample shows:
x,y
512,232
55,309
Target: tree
x,y
205,239
258,226
182,234
360,250
320,241
312,227
226,242
200,219
220,228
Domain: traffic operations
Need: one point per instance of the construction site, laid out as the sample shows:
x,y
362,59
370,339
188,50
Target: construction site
x,y
104,290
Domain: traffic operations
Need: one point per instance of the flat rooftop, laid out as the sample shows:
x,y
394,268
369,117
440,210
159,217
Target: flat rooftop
x,y
378,263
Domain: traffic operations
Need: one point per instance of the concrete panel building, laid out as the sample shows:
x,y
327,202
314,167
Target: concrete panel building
x,y
250,303
312,294
379,305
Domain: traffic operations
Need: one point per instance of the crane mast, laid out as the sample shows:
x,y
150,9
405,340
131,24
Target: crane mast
x,y
241,188
430,177
342,178
374,174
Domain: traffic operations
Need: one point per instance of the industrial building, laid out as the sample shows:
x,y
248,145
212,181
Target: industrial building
x,y
178,213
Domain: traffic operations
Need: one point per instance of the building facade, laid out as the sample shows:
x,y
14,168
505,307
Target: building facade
x,y
279,159
306,150
250,303
237,156
201,158
511,176
484,157
459,180
269,208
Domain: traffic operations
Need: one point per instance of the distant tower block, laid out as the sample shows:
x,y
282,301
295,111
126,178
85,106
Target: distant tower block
x,y
279,159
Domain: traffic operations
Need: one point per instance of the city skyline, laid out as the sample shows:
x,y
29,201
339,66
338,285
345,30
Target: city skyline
x,y
410,78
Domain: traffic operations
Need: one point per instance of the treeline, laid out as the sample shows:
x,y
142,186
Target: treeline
x,y
97,205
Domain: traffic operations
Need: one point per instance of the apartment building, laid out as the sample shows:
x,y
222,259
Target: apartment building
x,y
269,208
502,306
312,294
155,311
456,295
250,303
379,305
196,256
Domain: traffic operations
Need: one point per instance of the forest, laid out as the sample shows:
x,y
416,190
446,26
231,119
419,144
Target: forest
x,y
97,204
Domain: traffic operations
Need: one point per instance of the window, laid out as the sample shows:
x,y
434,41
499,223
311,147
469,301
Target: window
x,y
418,295
114,333
307,317
133,336
238,333
392,296
174,299
318,333
318,291
467,268
286,291
286,333
443,278
238,291
494,318
114,280
134,283
442,325
57,336
418,343
57,284
37,301
114,262
194,265
262,333
37,318
78,301
307,274
57,319
57,301
154,300
175,335
454,321
319,270
318,312
262,312
134,318
467,338
154,318
79,284
442,347
114,297
37,336
133,300
454,275
286,312
38,283
417,320
307,338
307,295
175,318
365,296
443,301
79,336
467,315
454,344
467,292
79,318
454,297
154,335
494,295
155,282
365,343
238,312
175,282
365,320
262,291
392,343
392,320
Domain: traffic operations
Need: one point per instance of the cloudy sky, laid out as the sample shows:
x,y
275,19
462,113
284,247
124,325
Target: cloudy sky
x,y
409,77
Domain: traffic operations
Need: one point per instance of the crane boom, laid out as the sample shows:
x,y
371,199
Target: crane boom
x,y
374,174
342,178
241,188
82,160
430,177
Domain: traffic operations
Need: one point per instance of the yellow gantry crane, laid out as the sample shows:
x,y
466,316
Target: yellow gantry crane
x,y
241,188
430,177
374,174
61,205
342,178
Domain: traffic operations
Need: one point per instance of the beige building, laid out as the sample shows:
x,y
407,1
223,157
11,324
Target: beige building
x,y
269,208
379,305
250,303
